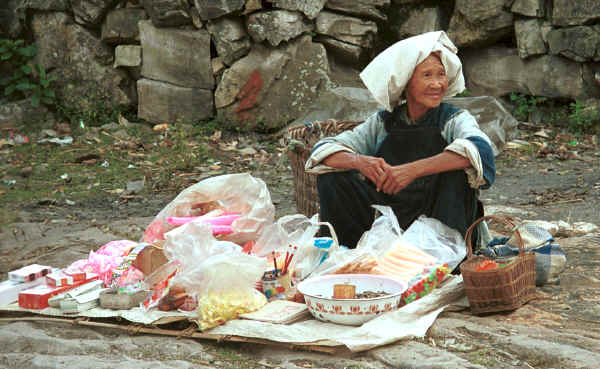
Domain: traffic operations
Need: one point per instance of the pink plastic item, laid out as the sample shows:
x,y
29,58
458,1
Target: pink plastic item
x,y
105,260
220,220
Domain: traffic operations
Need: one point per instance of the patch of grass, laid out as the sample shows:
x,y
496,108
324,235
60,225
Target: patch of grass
x,y
581,118
98,164
482,357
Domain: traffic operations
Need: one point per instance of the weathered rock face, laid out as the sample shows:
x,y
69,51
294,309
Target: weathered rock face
x,y
20,113
80,62
121,26
164,102
187,46
529,8
276,26
213,9
530,40
577,43
571,13
499,71
270,87
128,56
230,38
476,22
372,9
310,8
168,13
90,13
420,21
176,56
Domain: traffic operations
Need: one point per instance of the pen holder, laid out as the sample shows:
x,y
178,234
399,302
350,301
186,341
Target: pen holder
x,y
276,286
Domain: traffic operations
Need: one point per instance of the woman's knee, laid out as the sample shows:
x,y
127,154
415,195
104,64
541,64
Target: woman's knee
x,y
330,182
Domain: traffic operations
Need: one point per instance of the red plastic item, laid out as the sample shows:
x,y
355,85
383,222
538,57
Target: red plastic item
x,y
487,265
37,297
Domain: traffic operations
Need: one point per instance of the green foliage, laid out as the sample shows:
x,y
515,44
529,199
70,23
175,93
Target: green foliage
x,y
89,113
21,78
465,93
581,119
525,105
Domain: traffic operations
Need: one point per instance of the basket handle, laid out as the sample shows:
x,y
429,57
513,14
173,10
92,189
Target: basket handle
x,y
510,221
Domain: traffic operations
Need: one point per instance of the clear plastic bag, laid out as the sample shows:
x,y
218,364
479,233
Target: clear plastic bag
x,y
312,258
297,230
216,272
435,238
240,193
372,245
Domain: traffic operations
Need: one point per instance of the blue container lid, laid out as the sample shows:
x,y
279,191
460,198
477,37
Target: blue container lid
x,y
323,243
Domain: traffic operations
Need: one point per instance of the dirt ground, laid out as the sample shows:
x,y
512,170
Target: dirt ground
x,y
556,181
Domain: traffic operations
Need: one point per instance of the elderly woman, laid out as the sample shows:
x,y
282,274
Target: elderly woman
x,y
418,156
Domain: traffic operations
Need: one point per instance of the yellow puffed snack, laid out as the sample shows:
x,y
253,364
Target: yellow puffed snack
x,y
216,308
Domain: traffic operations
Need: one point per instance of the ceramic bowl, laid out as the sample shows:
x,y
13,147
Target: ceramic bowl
x,y
318,295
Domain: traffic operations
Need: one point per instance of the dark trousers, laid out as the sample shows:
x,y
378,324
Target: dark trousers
x,y
346,199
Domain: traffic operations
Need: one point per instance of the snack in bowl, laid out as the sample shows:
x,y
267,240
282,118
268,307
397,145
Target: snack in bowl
x,y
318,296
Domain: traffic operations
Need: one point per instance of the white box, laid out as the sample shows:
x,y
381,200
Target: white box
x,y
9,290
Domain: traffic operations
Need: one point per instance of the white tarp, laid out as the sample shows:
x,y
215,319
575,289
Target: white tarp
x,y
413,320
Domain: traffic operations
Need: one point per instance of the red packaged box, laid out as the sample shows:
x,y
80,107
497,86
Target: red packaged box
x,y
59,279
37,297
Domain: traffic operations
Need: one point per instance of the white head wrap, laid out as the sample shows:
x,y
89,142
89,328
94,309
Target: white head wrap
x,y
387,75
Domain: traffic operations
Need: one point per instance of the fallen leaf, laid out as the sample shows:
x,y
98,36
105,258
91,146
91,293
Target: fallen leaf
x,y
161,127
123,121
542,133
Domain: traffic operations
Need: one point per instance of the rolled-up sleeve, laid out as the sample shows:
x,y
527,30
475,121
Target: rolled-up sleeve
x,y
363,139
465,138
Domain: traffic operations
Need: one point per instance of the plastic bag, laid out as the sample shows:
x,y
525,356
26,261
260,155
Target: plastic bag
x,y
316,254
218,273
105,260
372,245
239,193
297,230
437,239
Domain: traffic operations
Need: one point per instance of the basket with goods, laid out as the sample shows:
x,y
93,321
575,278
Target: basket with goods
x,y
301,139
492,285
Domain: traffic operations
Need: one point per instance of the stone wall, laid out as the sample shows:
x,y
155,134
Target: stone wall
x,y
264,63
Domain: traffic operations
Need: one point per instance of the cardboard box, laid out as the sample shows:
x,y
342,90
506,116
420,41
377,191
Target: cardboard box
x,y
150,258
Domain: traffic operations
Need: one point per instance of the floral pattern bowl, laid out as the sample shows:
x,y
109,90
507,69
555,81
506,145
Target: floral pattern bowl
x,y
318,295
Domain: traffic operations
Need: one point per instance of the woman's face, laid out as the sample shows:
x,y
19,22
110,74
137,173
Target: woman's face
x,y
427,86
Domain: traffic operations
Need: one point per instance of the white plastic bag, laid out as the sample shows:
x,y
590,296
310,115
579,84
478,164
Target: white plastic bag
x,y
373,243
217,273
241,193
296,230
437,239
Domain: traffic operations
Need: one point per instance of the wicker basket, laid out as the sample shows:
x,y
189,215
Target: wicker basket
x,y
301,139
499,289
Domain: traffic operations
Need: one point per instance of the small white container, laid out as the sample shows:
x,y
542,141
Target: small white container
x,y
318,296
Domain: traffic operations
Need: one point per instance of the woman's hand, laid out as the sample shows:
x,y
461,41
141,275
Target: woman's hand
x,y
398,177
373,168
